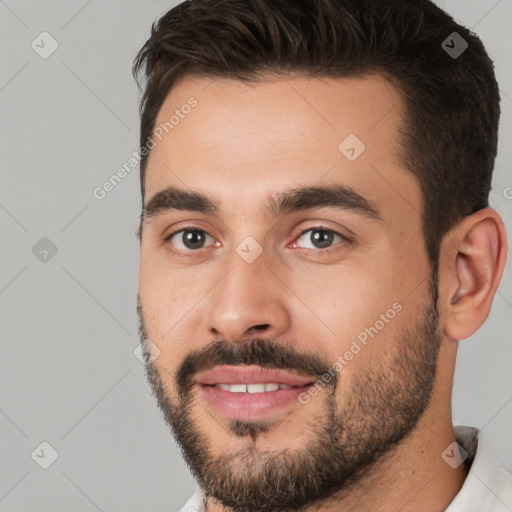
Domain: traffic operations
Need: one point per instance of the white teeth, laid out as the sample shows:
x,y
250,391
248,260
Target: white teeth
x,y
252,388
238,388
256,388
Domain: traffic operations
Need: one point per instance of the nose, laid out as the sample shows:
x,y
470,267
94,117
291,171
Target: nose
x,y
248,301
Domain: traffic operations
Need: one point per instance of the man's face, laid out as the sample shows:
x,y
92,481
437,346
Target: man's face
x,y
329,292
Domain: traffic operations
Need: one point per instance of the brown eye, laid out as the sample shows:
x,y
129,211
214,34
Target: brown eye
x,y
320,238
186,240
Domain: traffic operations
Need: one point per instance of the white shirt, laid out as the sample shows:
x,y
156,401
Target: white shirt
x,y
487,488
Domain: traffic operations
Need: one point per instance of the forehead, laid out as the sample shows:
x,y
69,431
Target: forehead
x,y
243,138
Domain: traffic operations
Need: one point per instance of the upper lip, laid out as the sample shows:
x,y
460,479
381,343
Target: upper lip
x,y
250,375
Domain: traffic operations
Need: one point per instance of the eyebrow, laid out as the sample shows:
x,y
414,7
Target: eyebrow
x,y
277,204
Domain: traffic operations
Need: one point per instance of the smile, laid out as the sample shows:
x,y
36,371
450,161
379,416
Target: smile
x,y
248,392
253,388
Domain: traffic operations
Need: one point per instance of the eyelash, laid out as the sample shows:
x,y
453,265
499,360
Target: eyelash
x,y
313,252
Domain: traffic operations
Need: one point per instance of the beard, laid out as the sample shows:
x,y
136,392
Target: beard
x,y
380,409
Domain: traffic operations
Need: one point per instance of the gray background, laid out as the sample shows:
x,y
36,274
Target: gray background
x,y
69,327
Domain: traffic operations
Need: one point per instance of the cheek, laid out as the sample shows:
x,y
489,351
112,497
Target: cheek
x,y
348,311
349,300
167,291
163,308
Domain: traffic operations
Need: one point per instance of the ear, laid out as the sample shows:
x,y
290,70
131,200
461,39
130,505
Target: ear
x,y
471,264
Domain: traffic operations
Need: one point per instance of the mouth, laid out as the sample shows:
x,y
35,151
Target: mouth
x,y
253,388
249,393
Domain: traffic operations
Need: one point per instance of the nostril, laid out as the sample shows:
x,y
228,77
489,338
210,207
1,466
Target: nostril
x,y
261,327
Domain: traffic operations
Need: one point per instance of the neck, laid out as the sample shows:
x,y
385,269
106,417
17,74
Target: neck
x,y
411,478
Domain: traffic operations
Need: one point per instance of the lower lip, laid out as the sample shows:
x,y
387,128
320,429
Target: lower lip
x,y
250,406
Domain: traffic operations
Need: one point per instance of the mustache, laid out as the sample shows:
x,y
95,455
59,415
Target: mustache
x,y
261,352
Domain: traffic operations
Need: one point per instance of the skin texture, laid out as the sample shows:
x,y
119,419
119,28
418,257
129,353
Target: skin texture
x,y
388,411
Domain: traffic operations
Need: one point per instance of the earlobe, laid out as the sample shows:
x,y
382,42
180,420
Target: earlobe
x,y
476,270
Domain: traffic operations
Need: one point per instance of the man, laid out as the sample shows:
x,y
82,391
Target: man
x,y
315,239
